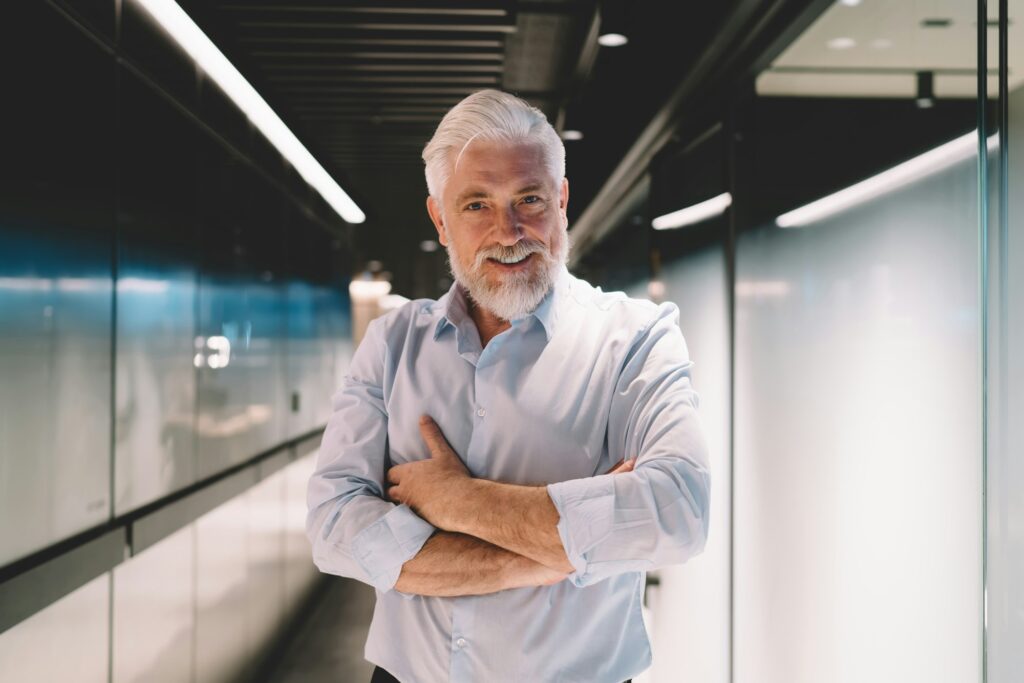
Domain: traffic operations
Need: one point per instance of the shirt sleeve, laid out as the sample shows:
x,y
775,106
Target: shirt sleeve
x,y
354,531
657,514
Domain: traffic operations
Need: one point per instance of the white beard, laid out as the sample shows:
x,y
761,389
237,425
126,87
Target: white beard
x,y
517,294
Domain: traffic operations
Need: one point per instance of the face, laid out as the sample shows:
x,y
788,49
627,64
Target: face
x,y
504,223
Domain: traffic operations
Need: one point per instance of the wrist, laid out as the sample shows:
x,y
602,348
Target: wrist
x,y
463,497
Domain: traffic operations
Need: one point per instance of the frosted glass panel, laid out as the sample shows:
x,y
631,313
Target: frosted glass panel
x,y
265,605
222,569
56,237
858,443
300,572
153,599
690,613
155,376
1006,398
67,641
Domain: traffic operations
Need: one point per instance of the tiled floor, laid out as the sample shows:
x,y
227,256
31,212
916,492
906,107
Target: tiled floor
x,y
328,645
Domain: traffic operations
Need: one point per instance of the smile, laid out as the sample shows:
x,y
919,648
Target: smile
x,y
510,263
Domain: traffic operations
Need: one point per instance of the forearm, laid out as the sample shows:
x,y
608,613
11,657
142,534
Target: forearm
x,y
453,564
520,519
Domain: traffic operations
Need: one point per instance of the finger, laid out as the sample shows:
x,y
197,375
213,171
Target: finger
x,y
394,475
394,494
616,466
433,437
624,466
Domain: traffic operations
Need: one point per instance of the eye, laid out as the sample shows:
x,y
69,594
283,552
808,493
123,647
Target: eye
x,y
531,199
474,206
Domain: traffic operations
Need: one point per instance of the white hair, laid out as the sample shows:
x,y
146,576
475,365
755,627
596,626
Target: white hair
x,y
494,116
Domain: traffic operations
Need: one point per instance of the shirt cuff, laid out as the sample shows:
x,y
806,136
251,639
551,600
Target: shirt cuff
x,y
586,511
383,547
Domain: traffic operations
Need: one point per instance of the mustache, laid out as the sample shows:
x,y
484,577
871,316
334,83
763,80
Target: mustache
x,y
517,251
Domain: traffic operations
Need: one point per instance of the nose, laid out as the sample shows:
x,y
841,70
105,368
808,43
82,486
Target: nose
x,y
507,228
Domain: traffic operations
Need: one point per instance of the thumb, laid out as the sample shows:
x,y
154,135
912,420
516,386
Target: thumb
x,y
433,437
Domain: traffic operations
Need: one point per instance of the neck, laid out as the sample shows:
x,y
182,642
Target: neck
x,y
488,325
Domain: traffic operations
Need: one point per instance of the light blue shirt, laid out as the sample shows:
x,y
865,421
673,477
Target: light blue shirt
x,y
586,379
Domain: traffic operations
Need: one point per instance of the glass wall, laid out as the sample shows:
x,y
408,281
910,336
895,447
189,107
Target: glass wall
x,y
861,355
1005,407
56,282
168,308
173,302
203,604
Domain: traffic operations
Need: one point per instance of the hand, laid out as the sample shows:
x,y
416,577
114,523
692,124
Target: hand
x,y
622,466
425,485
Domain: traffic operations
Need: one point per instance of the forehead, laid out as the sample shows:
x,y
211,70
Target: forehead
x,y
491,165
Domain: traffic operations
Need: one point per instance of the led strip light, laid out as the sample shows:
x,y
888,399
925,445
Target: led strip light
x,y
710,208
169,15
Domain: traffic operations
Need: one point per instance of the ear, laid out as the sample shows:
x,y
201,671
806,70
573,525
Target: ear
x,y
437,217
563,201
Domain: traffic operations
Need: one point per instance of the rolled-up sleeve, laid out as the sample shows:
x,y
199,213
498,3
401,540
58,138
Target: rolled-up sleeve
x,y
354,531
657,514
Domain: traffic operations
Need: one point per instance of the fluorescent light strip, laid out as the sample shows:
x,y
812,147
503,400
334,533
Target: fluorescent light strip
x,y
929,163
694,214
210,59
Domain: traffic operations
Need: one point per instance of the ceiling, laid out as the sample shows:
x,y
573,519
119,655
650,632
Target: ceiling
x,y
364,83
873,48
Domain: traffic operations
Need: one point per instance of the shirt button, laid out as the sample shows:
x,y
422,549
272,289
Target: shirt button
x,y
481,412
461,642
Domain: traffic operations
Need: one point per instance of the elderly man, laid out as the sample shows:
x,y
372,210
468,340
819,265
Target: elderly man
x,y
467,470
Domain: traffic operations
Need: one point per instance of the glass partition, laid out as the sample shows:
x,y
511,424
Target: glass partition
x,y
1005,405
858,428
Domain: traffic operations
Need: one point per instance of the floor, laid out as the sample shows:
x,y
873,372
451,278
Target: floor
x,y
328,645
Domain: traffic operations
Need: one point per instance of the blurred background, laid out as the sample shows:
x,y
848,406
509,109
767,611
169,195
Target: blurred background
x,y
203,203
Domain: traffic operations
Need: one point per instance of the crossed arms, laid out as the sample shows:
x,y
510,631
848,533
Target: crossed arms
x,y
494,535
430,528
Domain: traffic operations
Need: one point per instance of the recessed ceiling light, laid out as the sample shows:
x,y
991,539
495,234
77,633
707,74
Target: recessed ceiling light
x,y
925,89
842,43
429,246
572,135
612,39
849,3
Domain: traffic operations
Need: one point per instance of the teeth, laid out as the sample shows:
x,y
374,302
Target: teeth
x,y
510,259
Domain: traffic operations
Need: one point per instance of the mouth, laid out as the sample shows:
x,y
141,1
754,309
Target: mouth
x,y
509,265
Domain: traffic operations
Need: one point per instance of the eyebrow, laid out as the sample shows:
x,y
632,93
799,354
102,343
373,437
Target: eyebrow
x,y
471,194
475,193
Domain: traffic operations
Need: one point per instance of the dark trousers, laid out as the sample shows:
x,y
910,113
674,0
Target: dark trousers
x,y
382,676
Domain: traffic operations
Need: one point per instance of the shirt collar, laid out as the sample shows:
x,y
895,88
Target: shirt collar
x,y
454,311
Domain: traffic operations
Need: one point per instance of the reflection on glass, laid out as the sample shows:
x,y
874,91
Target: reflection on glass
x,y
155,389
56,237
858,452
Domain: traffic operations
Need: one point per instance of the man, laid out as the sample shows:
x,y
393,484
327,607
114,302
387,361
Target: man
x,y
466,471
